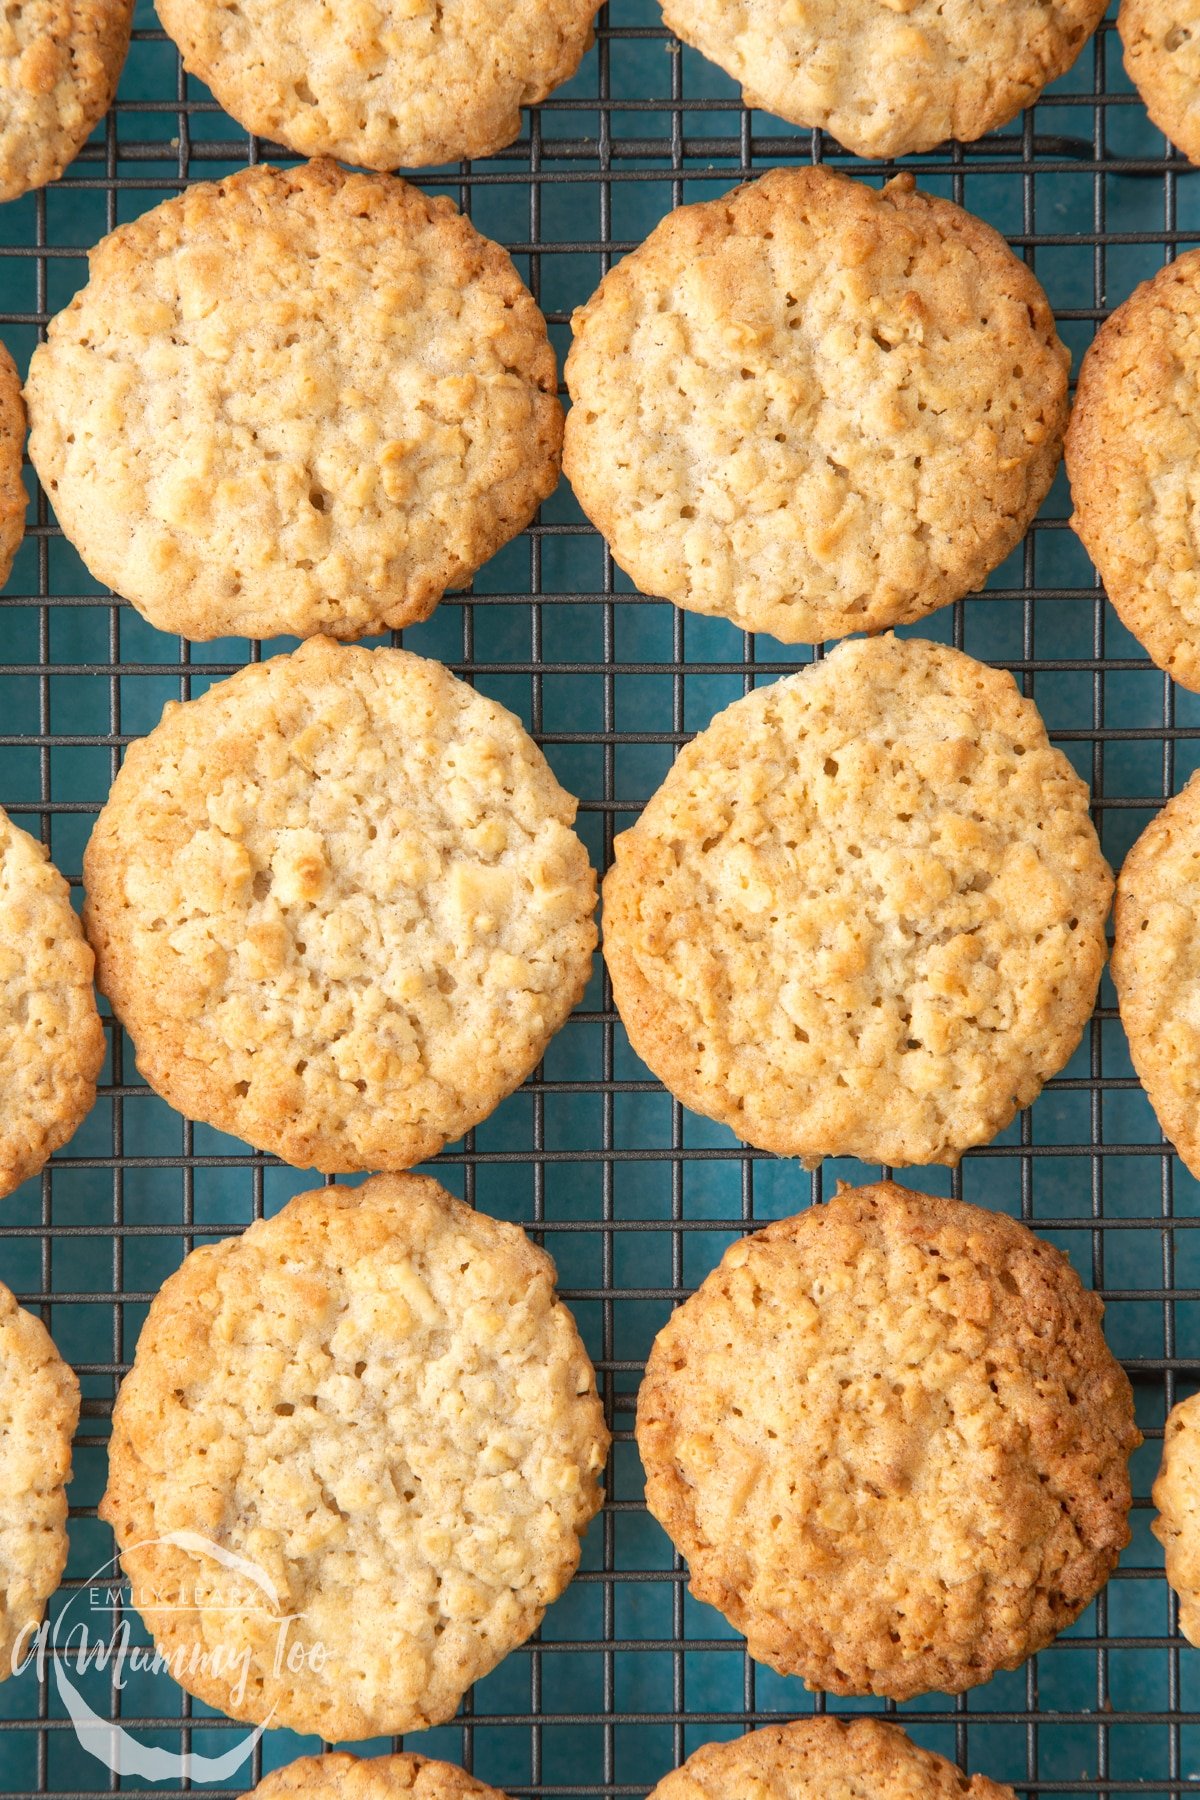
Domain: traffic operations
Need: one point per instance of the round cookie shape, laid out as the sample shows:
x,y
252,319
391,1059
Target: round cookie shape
x,y
814,406
338,905
408,84
376,1411
864,913
814,1759
51,1038
1132,448
1176,1493
1162,58
39,1410
1156,966
295,401
340,1776
13,498
926,1479
60,61
892,79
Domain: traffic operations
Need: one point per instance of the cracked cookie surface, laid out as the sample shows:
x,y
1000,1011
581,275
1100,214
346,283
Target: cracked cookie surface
x,y
1162,58
814,406
295,401
338,904
864,914
386,83
371,1416
926,1479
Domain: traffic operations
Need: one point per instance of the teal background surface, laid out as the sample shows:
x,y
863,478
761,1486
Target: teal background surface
x,y
635,1198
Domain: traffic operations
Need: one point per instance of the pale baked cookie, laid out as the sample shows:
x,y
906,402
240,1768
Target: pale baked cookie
x,y
51,1038
925,1478
39,1410
886,77
60,61
864,913
1133,456
338,905
823,1759
1156,966
1176,1494
814,406
1162,59
368,1425
396,83
13,498
295,401
344,1777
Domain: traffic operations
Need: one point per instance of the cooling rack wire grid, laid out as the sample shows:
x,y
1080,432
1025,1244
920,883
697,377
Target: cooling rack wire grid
x,y
635,1199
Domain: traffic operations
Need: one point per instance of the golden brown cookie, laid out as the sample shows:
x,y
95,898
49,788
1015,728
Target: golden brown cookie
x,y
338,905
396,84
1176,1494
926,1478
1162,59
60,61
295,401
13,498
343,1777
823,1759
39,1410
51,1038
886,79
1156,966
864,913
815,407
366,1429
1132,450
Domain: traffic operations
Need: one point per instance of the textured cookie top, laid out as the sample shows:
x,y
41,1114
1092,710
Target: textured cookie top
x,y
343,1777
13,498
886,77
374,1400
339,906
864,914
1162,59
51,1038
1133,442
823,1759
39,1409
294,401
388,83
1177,1496
925,1479
814,406
60,61
1156,966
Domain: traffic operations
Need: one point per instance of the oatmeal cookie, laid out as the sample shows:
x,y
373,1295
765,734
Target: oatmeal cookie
x,y
13,498
338,905
1133,451
864,914
51,1038
369,1423
1162,59
892,78
926,1479
1176,1494
39,1410
295,401
60,61
390,83
814,406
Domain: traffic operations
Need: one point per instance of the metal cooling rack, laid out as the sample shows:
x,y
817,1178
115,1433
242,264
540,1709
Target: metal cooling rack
x,y
635,1198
